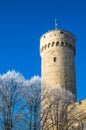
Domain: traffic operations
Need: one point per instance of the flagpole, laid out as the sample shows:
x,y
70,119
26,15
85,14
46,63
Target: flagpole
x,y
56,25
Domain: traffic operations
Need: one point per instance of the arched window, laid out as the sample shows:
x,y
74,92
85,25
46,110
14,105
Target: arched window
x,y
48,45
62,43
66,44
42,48
57,43
53,44
61,32
70,45
45,46
54,59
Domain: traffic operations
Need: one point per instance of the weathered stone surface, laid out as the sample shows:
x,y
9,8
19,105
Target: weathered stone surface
x,y
57,49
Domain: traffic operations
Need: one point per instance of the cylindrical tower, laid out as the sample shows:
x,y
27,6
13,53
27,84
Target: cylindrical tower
x,y
57,49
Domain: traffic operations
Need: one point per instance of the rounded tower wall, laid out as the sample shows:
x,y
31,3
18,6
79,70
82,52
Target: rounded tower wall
x,y
55,38
57,49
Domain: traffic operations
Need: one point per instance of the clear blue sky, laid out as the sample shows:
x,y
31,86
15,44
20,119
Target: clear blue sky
x,y
22,22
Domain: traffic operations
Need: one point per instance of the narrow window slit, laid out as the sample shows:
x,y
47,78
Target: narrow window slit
x,y
54,59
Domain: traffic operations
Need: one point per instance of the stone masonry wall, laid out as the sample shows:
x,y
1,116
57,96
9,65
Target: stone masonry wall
x,y
57,49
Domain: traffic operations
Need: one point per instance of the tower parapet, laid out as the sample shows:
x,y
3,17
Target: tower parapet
x,y
57,49
57,38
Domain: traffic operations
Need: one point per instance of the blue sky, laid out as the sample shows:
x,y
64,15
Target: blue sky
x,y
22,22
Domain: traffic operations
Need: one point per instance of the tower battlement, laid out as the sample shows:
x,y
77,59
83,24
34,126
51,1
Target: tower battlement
x,y
57,38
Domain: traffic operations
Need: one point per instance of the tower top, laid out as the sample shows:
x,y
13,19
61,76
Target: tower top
x,y
57,50
54,34
64,38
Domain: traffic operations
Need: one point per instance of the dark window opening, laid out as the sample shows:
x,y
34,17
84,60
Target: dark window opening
x,y
53,44
54,59
62,43
70,45
61,32
45,46
66,44
48,45
57,43
42,48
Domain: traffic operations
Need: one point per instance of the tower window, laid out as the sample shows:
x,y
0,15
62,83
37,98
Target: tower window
x,y
66,44
54,59
53,44
70,45
61,32
42,48
45,46
62,43
57,43
48,45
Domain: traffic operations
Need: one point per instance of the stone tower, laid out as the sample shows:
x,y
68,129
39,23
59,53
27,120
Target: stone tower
x,y
57,49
